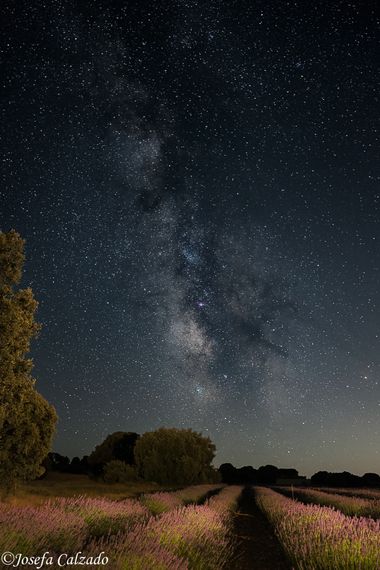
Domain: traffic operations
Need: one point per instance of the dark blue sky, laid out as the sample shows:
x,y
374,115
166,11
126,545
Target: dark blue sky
x,y
198,187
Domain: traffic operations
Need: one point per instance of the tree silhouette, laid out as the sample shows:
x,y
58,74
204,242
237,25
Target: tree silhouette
x,y
175,456
118,446
27,420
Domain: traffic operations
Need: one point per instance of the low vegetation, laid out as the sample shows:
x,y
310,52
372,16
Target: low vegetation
x,y
37,492
317,538
363,493
162,502
196,537
348,505
191,536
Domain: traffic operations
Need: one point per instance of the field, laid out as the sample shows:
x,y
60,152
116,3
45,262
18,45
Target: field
x,y
187,528
363,493
63,485
320,537
205,527
350,505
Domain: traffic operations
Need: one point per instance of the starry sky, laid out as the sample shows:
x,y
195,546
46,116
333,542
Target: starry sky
x,y
198,188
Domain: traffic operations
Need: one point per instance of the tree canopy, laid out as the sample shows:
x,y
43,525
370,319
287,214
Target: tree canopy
x,y
117,446
27,420
175,456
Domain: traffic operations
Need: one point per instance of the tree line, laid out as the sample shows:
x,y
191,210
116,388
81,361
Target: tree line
x,y
272,475
168,456
123,456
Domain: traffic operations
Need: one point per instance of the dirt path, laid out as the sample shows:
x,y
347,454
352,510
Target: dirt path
x,y
258,548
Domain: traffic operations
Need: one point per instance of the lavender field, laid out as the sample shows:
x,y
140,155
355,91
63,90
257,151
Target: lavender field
x,y
194,528
349,505
363,493
318,537
160,531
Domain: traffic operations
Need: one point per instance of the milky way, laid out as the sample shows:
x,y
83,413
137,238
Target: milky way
x,y
197,185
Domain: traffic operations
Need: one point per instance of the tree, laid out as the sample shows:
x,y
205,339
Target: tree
x,y
119,446
56,462
175,456
320,478
267,474
229,473
79,466
119,472
371,480
247,475
27,420
344,479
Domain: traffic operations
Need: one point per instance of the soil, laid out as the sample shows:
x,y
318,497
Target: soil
x,y
257,545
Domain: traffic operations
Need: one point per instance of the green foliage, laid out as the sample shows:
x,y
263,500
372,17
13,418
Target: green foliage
x,y
119,472
175,456
27,420
11,258
117,446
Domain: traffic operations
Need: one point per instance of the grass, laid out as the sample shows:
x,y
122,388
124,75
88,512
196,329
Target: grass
x,y
67,485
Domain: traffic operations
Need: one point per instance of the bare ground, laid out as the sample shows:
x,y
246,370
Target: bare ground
x,y
257,545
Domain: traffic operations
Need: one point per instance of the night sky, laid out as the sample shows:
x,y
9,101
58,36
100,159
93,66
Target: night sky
x,y
198,187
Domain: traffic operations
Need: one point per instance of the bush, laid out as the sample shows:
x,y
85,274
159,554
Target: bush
x,y
117,446
119,472
175,456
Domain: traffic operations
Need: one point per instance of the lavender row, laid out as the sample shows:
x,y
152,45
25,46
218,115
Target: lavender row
x,y
63,525
363,493
316,538
350,506
162,502
193,537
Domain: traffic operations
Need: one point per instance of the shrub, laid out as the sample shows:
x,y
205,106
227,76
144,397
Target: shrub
x,y
174,456
119,472
117,446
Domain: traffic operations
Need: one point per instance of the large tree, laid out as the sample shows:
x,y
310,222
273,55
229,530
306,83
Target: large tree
x,y
27,420
175,456
118,446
